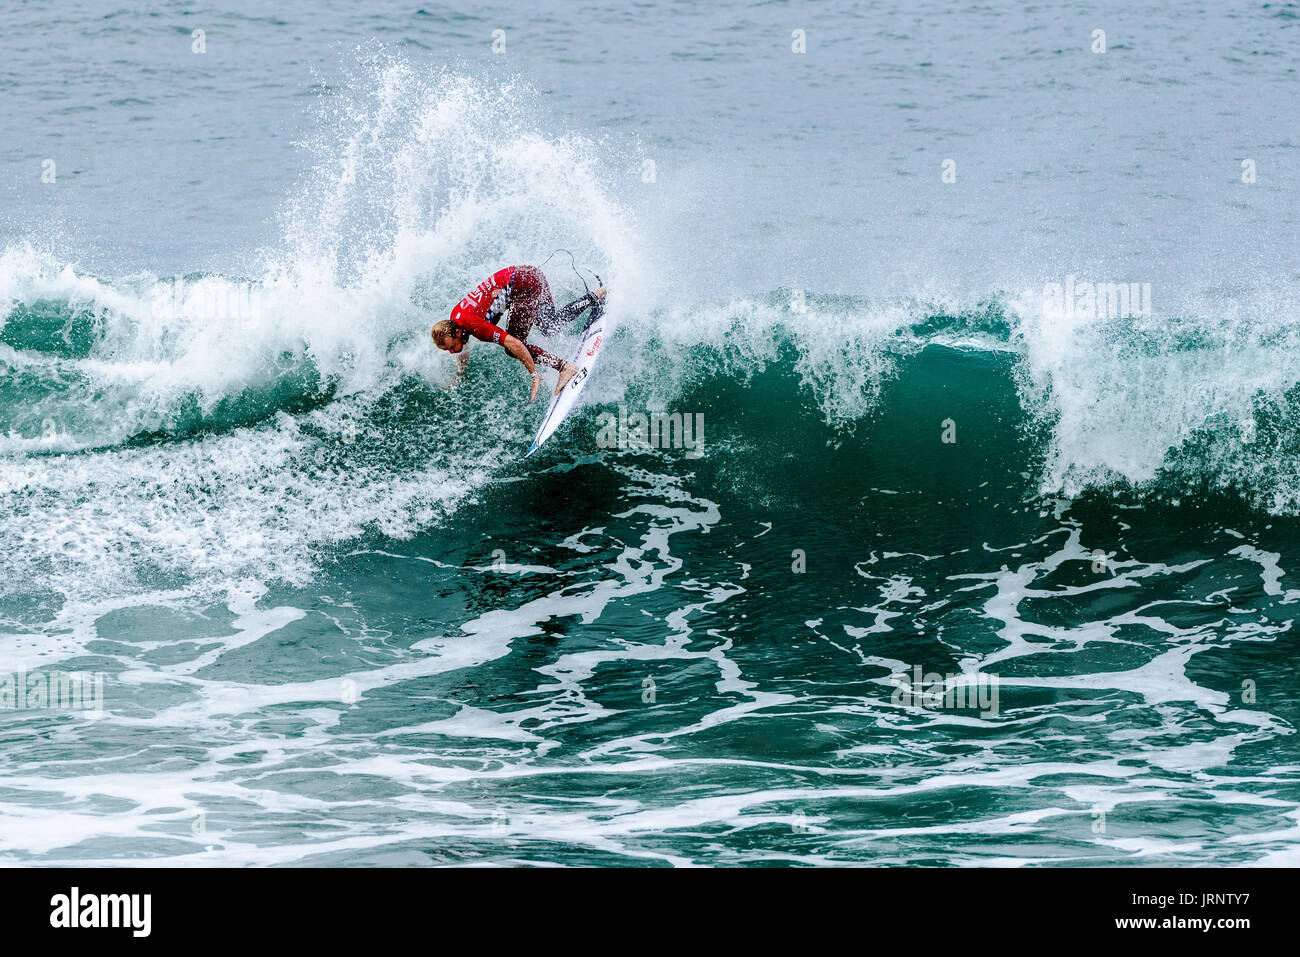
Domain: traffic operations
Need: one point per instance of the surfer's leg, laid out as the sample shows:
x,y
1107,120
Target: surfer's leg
x,y
530,302
546,320
519,324
525,312
573,310
567,370
542,357
595,301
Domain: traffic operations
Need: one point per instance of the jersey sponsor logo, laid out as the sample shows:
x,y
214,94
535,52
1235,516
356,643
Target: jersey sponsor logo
x,y
473,303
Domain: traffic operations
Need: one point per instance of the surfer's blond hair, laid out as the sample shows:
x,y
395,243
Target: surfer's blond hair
x,y
442,332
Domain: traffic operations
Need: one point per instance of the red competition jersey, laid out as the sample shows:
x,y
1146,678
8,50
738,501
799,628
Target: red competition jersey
x,y
471,313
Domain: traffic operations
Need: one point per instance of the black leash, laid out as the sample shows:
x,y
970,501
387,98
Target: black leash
x,y
573,264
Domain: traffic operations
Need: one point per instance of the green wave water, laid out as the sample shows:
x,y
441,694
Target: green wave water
x,y
946,578
349,629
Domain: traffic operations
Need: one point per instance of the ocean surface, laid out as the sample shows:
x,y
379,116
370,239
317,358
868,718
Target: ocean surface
x,y
968,560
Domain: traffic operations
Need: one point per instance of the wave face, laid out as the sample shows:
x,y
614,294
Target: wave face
x,y
321,412
340,621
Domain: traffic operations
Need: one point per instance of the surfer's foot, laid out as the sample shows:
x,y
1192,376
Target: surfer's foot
x,y
567,373
592,300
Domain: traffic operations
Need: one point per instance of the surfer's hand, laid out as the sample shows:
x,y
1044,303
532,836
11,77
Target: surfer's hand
x,y
537,380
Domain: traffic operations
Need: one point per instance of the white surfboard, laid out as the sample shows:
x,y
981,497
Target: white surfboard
x,y
592,341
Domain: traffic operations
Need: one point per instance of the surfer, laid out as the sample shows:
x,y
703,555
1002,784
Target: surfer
x,y
523,292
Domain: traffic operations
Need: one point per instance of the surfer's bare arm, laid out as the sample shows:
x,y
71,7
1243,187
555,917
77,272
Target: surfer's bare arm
x,y
462,362
516,349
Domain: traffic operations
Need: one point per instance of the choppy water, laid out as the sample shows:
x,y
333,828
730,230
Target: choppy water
x,y
340,621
